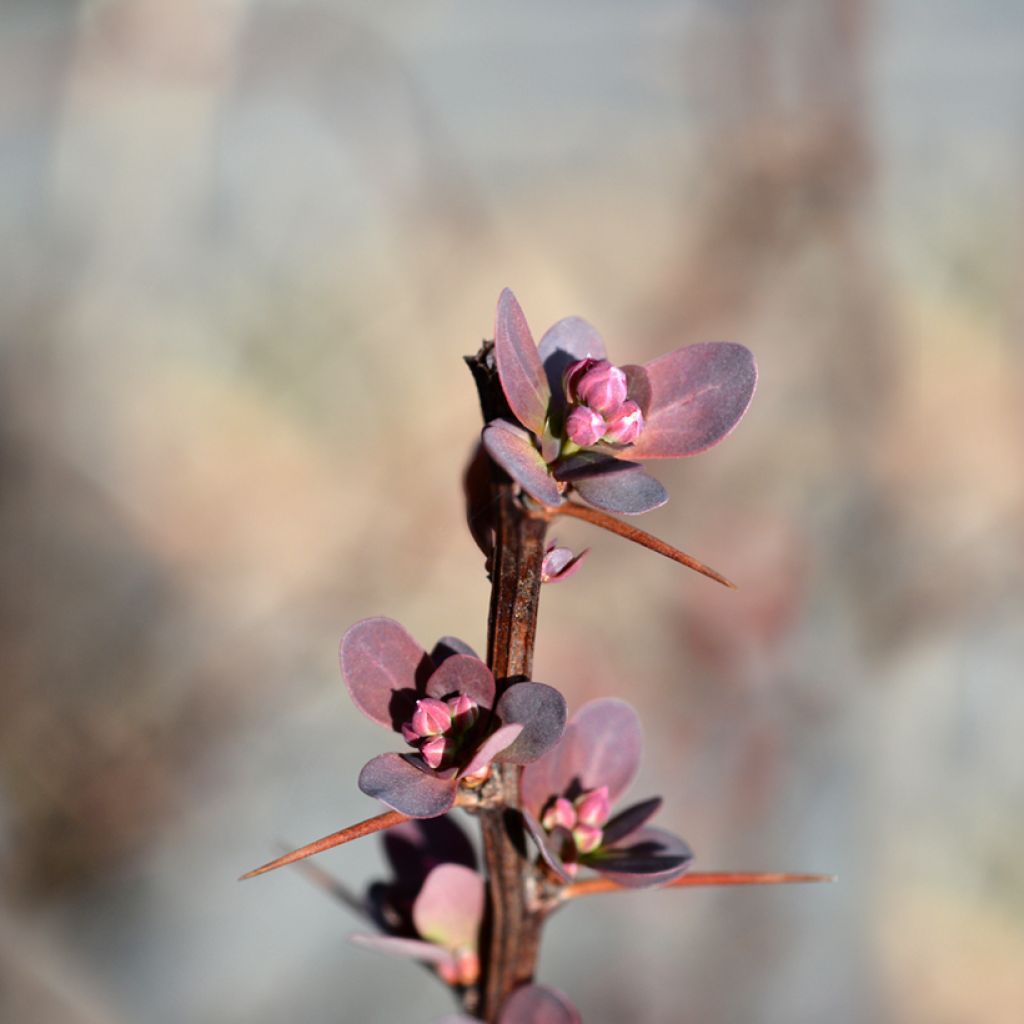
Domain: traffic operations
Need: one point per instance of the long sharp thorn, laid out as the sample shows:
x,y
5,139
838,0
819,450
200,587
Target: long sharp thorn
x,y
641,537
364,828
592,886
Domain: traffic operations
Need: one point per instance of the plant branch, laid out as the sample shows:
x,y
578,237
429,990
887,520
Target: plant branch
x,y
593,886
638,536
364,828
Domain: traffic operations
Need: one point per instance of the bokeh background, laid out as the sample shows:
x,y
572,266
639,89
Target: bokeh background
x,y
246,244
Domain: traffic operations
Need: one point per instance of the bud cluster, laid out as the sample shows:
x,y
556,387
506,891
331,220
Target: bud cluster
x,y
437,727
598,407
581,819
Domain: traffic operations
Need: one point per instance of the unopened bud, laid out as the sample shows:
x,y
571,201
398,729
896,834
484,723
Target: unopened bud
x,y
431,718
467,966
587,838
464,711
574,374
560,813
584,427
559,563
434,751
602,387
594,807
625,424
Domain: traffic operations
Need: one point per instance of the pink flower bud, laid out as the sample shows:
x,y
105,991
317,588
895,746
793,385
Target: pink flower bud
x,y
574,374
449,971
602,387
464,711
587,838
467,966
431,717
594,807
561,812
625,423
559,563
434,751
584,426
409,734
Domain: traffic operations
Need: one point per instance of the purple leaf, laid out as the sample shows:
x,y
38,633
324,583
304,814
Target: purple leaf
x,y
476,488
414,949
630,492
601,747
537,1004
541,710
628,821
465,674
519,367
382,666
638,387
401,784
563,344
649,857
493,745
590,463
698,394
450,907
415,847
548,844
512,449
449,645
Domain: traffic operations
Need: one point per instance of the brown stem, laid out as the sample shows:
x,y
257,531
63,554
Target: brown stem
x,y
592,886
364,828
641,537
511,937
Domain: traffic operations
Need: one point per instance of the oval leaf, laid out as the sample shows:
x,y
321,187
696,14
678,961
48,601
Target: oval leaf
x,y
400,784
542,712
563,344
698,394
519,367
601,747
491,747
450,907
630,492
547,847
512,449
626,822
466,674
383,666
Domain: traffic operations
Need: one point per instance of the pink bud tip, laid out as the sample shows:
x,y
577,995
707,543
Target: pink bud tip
x,y
409,734
593,808
625,424
467,965
431,717
587,838
464,711
584,426
602,387
562,813
574,374
434,750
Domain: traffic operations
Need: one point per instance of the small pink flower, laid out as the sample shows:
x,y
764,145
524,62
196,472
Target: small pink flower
x,y
625,424
431,717
594,807
560,814
587,838
584,427
599,385
435,750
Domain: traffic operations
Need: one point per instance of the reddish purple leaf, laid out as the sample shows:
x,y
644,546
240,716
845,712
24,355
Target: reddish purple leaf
x,y
537,1004
415,848
447,646
698,394
629,492
476,488
382,666
413,949
628,821
512,449
398,782
601,747
465,674
541,710
450,907
648,857
492,746
519,367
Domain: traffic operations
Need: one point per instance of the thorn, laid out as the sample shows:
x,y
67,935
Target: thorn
x,y
364,828
593,886
641,537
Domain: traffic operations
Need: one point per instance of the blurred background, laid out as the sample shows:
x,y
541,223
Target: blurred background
x,y
246,246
